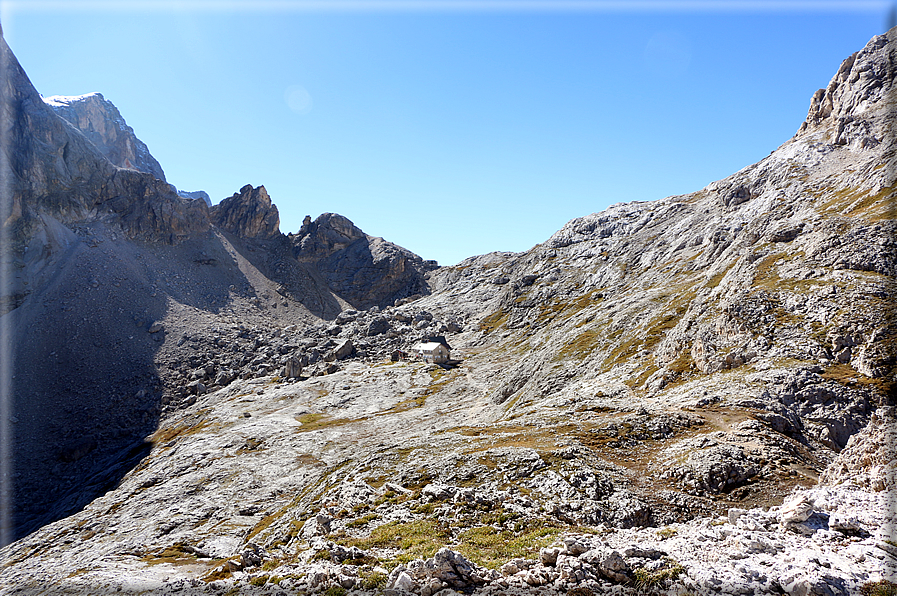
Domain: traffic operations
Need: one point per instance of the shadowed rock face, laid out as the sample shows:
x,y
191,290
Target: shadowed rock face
x,y
364,270
103,125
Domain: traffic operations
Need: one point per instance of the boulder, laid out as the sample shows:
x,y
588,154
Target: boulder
x,y
378,326
292,369
319,525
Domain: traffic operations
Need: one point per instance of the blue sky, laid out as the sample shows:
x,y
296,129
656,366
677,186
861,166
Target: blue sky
x,y
450,131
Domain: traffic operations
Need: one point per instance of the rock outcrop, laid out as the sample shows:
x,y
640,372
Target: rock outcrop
x,y
101,122
55,170
365,270
196,194
249,214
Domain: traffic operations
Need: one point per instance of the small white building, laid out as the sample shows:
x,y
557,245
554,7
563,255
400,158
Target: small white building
x,y
431,351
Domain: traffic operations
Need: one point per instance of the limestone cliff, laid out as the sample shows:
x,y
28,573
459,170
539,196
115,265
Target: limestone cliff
x,y
104,126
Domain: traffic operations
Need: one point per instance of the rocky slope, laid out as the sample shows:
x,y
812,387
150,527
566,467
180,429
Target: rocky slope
x,y
691,395
101,266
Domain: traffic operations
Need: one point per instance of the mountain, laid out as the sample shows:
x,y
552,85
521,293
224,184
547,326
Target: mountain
x,y
688,395
102,266
101,122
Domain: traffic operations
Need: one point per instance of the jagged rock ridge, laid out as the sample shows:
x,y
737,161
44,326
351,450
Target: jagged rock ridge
x,y
364,269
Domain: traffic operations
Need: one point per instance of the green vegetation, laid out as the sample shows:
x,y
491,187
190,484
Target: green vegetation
x,y
853,202
639,380
362,521
493,321
374,581
419,539
318,421
548,312
220,573
259,580
492,548
580,347
847,375
264,523
176,554
646,579
440,377
879,588
164,435
715,280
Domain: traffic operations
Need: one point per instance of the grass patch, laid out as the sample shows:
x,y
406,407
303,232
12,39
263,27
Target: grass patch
x,y
639,380
176,554
492,548
580,347
847,375
492,322
439,378
879,588
714,280
548,312
318,421
419,539
220,573
853,202
766,273
164,435
646,579
362,521
374,581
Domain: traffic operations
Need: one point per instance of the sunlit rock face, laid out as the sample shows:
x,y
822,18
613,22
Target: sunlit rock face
x,y
103,125
248,214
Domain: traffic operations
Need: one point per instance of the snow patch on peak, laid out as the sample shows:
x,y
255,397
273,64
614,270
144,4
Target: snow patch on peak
x,y
65,100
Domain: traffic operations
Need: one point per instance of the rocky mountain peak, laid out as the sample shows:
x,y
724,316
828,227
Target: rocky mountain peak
x,y
327,233
58,173
248,214
864,79
103,125
365,270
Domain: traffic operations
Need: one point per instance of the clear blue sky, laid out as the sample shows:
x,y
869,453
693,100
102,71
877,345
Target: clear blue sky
x,y
451,132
